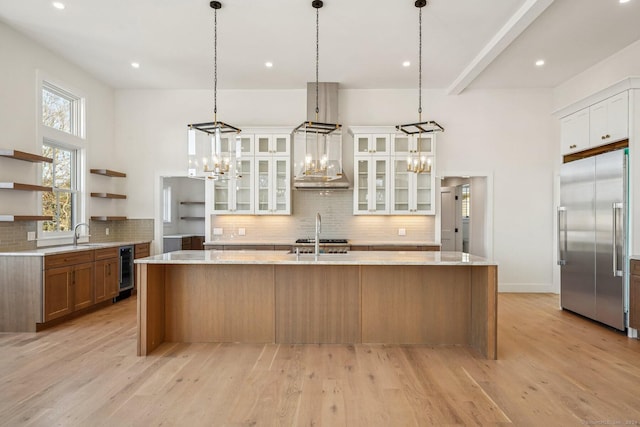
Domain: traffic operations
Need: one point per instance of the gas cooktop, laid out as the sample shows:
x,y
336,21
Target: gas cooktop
x,y
323,241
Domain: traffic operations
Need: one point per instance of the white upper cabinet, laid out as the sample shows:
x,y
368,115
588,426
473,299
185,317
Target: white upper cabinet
x,y
273,185
279,144
234,194
382,183
374,144
411,193
574,132
609,120
371,185
402,144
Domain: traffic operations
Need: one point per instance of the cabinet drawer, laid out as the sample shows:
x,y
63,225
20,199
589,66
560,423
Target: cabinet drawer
x,y
141,250
106,253
69,258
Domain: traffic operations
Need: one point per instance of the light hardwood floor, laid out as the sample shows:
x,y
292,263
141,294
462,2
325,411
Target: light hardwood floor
x,y
554,369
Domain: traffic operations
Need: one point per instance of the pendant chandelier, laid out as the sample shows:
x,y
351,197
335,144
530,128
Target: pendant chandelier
x,y
213,146
323,141
417,162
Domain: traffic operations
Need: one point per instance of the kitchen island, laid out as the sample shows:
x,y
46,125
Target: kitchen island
x,y
432,298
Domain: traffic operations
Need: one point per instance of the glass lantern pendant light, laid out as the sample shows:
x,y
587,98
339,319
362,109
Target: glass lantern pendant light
x,y
319,137
417,162
210,153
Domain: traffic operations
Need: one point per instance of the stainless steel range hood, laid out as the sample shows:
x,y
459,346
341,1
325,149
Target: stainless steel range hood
x,y
327,113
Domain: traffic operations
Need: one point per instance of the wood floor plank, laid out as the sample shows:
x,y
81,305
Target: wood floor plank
x,y
554,368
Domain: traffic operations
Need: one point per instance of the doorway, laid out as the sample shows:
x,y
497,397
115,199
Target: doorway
x,y
465,214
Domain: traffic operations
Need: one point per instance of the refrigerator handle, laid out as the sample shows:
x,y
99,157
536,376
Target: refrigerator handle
x,y
562,242
616,207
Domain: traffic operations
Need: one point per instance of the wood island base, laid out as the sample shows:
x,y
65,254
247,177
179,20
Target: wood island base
x,y
284,303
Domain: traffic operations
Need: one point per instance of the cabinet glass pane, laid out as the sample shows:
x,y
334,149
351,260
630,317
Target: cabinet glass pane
x,y
401,144
221,195
245,144
381,185
401,189
263,144
263,185
381,144
227,144
423,191
363,144
423,144
363,185
281,184
243,185
281,144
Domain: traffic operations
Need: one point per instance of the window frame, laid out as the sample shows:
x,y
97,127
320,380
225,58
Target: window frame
x,y
74,141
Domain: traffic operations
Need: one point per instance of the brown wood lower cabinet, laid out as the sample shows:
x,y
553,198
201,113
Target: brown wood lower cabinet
x,y
634,295
106,274
68,283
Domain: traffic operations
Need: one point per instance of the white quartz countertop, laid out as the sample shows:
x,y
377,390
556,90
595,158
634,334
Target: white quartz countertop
x,y
52,250
286,258
351,242
635,257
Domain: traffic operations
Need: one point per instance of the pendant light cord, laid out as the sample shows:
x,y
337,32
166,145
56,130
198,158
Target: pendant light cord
x,y
215,65
317,58
420,66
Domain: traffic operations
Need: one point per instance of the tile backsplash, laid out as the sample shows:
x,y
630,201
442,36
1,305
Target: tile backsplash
x,y
13,235
338,221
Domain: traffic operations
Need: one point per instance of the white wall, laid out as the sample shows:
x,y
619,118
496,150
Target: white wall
x,y
21,58
508,134
619,66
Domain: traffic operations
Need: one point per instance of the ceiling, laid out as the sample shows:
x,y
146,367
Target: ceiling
x,y
466,43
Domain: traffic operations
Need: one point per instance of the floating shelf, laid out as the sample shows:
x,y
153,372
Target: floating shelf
x,y
192,218
13,218
108,172
192,203
23,187
27,157
108,218
108,195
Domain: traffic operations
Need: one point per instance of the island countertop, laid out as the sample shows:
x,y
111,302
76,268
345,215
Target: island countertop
x,y
287,258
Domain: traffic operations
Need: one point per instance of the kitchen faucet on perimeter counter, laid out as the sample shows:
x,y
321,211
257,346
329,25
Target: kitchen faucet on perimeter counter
x,y
75,232
318,231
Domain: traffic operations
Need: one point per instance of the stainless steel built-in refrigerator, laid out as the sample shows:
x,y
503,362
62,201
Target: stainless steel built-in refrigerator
x,y
592,235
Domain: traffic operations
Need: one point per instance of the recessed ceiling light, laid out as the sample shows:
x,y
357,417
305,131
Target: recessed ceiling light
x,y
406,63
624,1
540,62
135,64
58,5
268,64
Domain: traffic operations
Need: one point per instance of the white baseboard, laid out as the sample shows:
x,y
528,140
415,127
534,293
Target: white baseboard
x,y
527,288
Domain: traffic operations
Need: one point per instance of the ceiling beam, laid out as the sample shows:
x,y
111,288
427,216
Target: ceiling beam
x,y
519,22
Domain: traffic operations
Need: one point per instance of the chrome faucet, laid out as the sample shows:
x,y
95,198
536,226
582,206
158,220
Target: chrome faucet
x,y
318,231
75,232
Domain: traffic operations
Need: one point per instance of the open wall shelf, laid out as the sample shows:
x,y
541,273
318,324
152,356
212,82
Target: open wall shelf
x,y
108,218
108,195
108,172
23,187
13,218
27,157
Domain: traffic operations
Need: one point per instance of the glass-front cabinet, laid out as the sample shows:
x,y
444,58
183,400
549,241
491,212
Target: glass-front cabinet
x,y
383,185
412,193
233,194
273,185
273,144
371,186
374,144
403,145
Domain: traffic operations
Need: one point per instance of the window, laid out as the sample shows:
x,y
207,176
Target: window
x,y
62,176
61,133
62,110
